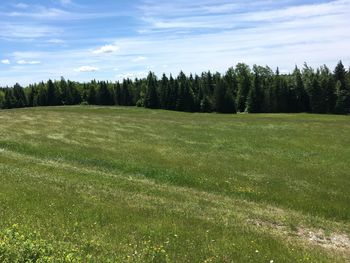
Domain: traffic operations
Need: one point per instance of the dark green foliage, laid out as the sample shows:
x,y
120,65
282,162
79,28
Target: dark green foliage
x,y
51,94
9,101
340,73
328,88
19,97
104,96
164,92
206,105
126,99
315,93
151,96
255,97
2,99
244,82
302,98
342,103
91,98
259,90
185,96
224,102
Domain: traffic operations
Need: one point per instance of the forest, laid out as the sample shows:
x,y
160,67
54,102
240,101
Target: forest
x,y
241,89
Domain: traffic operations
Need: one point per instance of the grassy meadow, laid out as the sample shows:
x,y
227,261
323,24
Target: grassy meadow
x,y
114,184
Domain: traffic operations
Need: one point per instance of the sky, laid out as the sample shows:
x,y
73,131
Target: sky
x,y
114,39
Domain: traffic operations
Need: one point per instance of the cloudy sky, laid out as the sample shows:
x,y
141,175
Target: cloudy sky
x,y
112,39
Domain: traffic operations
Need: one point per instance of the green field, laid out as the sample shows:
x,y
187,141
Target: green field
x,y
113,184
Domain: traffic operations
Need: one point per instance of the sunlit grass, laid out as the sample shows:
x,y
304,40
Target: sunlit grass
x,y
102,183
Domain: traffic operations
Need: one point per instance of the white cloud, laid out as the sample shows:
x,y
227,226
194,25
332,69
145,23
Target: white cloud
x,y
27,31
139,58
106,49
132,75
6,61
87,69
26,62
198,19
21,6
274,35
65,2
42,13
56,41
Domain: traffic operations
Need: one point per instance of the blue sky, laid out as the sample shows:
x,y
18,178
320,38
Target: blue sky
x,y
112,39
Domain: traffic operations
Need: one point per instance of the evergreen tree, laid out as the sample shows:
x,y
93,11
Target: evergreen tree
x,y
342,89
91,97
19,97
259,90
126,96
173,90
2,99
51,93
302,98
315,94
151,96
255,95
342,105
244,82
180,102
224,102
340,73
328,89
164,92
118,94
206,105
104,96
42,95
63,86
32,96
9,101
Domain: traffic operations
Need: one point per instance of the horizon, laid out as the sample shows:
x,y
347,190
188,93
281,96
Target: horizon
x,y
82,40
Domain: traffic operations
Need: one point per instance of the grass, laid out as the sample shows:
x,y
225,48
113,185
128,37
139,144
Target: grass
x,y
110,184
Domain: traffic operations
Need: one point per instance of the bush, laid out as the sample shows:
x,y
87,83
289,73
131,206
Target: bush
x,y
31,248
16,247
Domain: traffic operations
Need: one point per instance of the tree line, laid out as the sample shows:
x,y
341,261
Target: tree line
x,y
241,89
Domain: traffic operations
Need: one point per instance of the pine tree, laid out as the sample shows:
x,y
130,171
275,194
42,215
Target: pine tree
x,y
342,97
302,98
51,93
42,95
173,91
206,105
342,90
342,105
9,101
315,94
244,83
91,97
180,102
117,94
63,87
19,96
31,96
340,73
255,96
125,94
327,85
151,96
104,96
164,92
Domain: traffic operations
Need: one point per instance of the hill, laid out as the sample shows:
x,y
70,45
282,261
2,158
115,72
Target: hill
x,y
92,184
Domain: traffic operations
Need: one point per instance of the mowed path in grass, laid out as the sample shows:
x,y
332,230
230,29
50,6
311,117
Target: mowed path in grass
x,y
110,181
